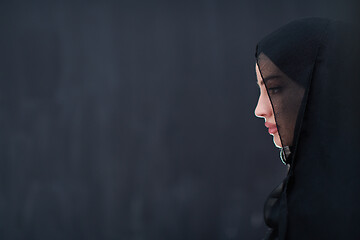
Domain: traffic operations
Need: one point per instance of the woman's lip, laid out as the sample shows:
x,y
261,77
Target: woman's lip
x,y
272,130
270,125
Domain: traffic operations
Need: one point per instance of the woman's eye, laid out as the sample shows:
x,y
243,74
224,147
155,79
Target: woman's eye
x,y
274,90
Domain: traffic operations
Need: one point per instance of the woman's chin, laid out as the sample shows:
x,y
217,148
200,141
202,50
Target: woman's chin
x,y
276,140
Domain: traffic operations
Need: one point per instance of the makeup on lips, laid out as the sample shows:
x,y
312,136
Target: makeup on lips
x,y
271,128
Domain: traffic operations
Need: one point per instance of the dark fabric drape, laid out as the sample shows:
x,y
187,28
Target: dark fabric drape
x,y
313,64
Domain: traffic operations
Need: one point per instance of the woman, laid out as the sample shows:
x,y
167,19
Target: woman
x,y
308,75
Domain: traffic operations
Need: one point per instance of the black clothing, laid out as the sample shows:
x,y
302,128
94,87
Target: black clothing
x,y
310,68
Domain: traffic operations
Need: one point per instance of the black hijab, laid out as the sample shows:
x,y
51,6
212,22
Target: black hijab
x,y
314,62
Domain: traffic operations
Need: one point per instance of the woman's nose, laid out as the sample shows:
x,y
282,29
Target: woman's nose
x,y
263,108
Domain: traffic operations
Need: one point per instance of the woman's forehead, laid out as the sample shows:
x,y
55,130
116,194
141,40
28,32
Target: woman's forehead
x,y
259,80
267,70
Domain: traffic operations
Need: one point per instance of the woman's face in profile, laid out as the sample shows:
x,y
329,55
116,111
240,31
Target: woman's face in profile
x,y
264,109
280,113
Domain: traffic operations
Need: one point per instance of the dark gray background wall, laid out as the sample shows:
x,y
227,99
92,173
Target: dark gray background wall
x,y
134,120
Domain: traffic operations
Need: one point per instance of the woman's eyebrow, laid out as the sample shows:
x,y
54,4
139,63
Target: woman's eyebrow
x,y
271,77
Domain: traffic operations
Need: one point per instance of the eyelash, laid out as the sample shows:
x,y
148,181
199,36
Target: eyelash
x,y
274,90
